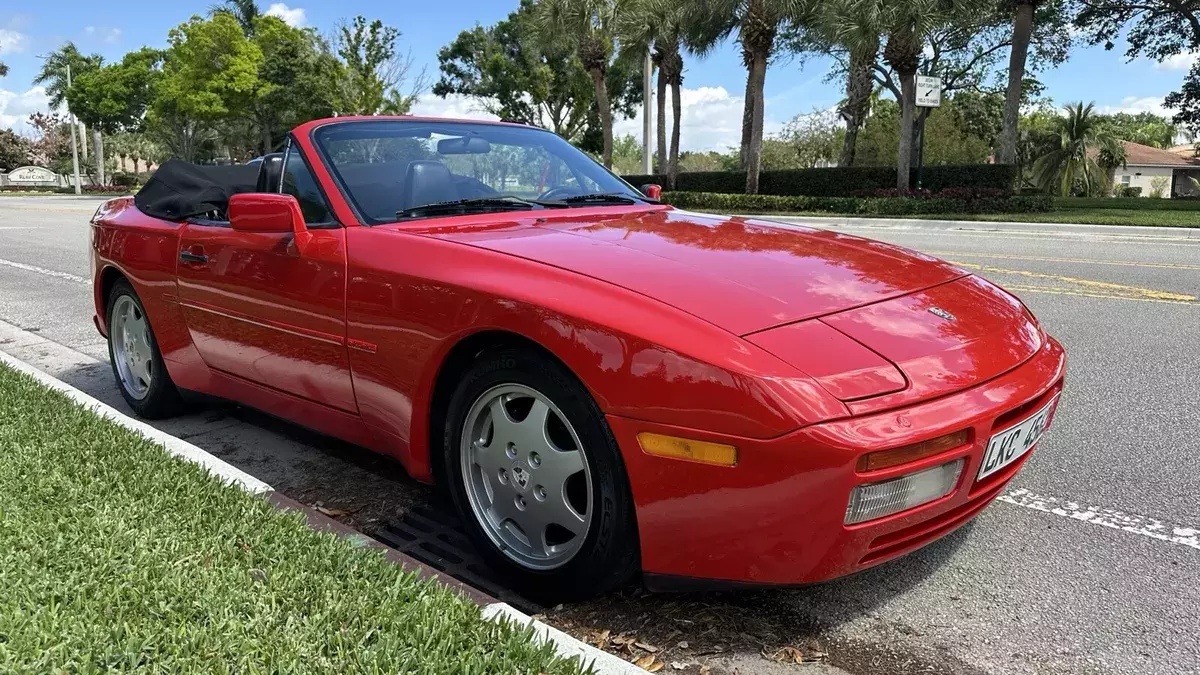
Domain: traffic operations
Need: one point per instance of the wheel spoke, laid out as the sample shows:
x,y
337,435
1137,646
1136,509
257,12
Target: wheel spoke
x,y
560,512
557,466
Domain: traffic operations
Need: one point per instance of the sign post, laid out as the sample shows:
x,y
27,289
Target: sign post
x,y
929,96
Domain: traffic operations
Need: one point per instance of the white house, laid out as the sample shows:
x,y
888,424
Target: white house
x,y
1159,172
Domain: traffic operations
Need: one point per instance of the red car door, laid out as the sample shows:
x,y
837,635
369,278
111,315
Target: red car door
x,y
258,310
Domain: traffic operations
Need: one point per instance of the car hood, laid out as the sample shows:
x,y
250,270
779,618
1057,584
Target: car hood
x,y
743,275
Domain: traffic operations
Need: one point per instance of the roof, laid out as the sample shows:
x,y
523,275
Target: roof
x,y
1137,154
1186,150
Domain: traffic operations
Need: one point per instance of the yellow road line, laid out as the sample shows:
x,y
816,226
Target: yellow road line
x,y
1124,263
1064,291
1111,289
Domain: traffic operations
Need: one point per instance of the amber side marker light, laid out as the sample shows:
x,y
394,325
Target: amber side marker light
x,y
911,453
684,448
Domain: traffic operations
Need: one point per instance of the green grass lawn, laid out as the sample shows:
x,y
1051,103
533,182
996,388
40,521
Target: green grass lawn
x,y
115,556
1099,216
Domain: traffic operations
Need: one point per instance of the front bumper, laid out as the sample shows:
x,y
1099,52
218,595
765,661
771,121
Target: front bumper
x,y
778,516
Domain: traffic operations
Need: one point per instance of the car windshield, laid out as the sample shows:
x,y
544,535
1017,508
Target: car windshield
x,y
390,169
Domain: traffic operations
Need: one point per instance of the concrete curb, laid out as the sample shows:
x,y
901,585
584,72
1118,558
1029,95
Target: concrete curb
x,y
601,662
1173,233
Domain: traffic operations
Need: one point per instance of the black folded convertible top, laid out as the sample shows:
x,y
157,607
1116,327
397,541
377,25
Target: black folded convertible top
x,y
179,190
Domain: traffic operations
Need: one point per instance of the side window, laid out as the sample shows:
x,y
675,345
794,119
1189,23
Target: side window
x,y
299,182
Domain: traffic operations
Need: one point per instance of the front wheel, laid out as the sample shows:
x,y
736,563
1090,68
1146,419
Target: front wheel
x,y
537,477
136,361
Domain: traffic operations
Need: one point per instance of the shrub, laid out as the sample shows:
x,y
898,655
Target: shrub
x,y
1131,192
840,181
880,206
124,179
1129,203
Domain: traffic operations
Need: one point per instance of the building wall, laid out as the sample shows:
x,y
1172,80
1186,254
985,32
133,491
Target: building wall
x,y
1143,177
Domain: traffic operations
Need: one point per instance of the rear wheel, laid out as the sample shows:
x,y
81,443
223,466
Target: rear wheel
x,y
537,477
136,361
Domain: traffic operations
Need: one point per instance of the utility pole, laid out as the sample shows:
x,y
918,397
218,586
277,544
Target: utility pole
x,y
647,100
74,145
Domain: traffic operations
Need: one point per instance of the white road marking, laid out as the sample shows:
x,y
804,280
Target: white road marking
x,y
42,270
1117,520
14,227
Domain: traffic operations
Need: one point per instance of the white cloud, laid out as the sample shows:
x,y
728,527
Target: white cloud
x,y
1179,62
454,106
15,108
110,36
711,120
292,17
12,42
1135,104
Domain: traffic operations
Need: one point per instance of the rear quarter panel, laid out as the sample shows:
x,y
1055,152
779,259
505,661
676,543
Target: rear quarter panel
x,y
143,250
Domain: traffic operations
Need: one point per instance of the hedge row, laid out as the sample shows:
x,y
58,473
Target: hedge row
x,y
1131,203
87,189
880,206
838,181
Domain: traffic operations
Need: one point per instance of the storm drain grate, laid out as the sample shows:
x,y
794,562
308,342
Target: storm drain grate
x,y
432,534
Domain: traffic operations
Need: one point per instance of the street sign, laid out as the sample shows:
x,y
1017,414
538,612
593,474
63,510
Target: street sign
x,y
929,91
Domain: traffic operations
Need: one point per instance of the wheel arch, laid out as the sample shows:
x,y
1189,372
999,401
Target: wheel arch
x,y
108,278
454,365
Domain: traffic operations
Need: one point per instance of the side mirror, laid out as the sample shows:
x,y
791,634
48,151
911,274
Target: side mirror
x,y
269,213
652,191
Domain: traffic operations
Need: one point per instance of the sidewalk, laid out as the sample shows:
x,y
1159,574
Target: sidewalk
x,y
833,222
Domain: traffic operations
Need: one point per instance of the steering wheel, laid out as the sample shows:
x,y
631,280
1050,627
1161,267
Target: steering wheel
x,y
559,193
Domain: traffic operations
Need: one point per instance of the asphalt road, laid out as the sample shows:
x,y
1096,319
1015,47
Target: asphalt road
x,y
1091,564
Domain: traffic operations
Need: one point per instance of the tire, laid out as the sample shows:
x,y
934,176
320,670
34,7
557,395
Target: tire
x,y
600,557
146,387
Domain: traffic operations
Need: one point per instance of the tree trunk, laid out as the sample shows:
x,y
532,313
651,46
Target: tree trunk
x,y
747,115
605,111
660,132
83,146
676,116
758,78
99,156
266,137
859,85
1022,30
908,90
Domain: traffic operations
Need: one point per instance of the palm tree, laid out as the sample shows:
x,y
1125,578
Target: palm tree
x,y
245,11
53,76
756,23
854,25
593,26
662,26
1022,32
1082,155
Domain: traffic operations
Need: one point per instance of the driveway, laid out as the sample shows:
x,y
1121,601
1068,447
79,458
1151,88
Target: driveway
x,y
1090,564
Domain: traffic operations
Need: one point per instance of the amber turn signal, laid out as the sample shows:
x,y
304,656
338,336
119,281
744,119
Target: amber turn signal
x,y
684,448
911,453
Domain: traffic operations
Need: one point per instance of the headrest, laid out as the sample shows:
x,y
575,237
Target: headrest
x,y
270,173
428,182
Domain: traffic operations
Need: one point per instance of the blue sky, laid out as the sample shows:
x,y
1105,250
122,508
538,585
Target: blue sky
x,y
713,87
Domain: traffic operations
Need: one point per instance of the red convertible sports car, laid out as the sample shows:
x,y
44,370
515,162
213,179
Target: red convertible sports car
x,y
602,383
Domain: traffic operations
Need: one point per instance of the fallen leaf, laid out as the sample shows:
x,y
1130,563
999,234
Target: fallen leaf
x,y
623,639
684,644
644,662
656,666
645,647
602,639
332,513
679,665
788,654
705,670
558,607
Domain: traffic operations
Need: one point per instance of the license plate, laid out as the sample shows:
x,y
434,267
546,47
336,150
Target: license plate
x,y
1011,444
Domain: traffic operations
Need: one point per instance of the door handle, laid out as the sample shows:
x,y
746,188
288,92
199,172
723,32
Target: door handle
x,y
193,258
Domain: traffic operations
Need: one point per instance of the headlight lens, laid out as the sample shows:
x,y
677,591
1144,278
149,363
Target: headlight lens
x,y
868,502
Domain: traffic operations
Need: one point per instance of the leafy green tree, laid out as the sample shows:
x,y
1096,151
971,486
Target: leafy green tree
x,y
1075,162
295,75
53,76
15,150
853,26
757,25
591,25
627,155
1037,22
245,12
374,73
1144,128
949,139
511,72
114,98
209,76
809,140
